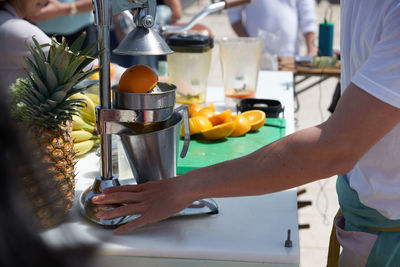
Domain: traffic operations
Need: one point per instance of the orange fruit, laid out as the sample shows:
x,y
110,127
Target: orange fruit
x,y
242,125
137,79
193,108
211,106
205,112
256,118
197,124
220,131
112,71
95,76
221,117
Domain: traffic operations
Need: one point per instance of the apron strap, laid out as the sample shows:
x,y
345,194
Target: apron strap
x,y
334,246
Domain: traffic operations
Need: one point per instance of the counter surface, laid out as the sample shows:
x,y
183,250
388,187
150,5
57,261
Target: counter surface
x,y
247,229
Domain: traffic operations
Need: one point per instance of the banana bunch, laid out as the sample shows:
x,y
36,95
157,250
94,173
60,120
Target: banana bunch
x,y
84,131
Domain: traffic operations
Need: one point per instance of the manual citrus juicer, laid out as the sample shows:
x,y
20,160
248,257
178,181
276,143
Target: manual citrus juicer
x,y
147,123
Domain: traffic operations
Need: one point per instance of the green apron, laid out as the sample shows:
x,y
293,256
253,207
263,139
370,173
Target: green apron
x,y
364,224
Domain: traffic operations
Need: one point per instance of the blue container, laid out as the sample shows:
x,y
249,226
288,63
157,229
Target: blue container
x,y
325,39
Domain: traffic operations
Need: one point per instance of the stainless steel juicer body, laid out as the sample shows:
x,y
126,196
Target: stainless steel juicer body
x,y
144,19
141,114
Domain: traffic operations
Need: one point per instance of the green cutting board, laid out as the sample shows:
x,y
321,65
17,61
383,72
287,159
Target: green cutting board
x,y
203,153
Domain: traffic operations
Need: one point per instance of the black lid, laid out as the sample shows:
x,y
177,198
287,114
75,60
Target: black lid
x,y
190,42
271,107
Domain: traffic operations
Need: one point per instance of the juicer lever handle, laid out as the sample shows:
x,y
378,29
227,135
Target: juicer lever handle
x,y
185,114
233,3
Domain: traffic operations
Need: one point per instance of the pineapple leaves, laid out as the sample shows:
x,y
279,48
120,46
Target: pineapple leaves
x,y
60,65
73,68
77,44
59,96
40,66
42,99
51,77
39,49
52,55
38,84
32,66
88,49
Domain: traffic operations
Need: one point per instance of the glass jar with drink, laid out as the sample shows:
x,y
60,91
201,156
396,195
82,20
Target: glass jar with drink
x,y
240,61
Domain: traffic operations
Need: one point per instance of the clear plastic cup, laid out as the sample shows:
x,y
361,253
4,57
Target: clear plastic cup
x,y
189,65
240,61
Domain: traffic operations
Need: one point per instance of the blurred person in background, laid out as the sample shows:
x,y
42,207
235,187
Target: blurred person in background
x,y
168,12
281,24
16,37
68,18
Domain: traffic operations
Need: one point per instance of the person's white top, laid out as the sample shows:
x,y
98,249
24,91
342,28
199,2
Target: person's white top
x,y
285,19
15,38
370,51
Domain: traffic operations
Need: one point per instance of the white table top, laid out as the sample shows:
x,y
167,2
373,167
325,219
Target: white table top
x,y
247,229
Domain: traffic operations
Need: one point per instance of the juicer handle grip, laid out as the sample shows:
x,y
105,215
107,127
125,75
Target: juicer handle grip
x,y
185,114
233,3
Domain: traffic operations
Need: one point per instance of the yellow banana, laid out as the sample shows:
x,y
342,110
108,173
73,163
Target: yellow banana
x,y
80,124
80,135
83,147
89,111
94,97
90,118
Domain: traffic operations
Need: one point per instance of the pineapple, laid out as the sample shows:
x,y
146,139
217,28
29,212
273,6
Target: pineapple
x,y
41,102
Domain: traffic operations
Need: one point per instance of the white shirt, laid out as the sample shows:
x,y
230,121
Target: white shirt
x,y
15,38
370,48
286,19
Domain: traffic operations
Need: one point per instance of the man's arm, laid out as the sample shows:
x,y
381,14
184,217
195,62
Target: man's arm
x,y
57,9
176,9
330,148
309,38
308,23
239,29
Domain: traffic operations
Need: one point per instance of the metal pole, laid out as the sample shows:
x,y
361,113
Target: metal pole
x,y
103,21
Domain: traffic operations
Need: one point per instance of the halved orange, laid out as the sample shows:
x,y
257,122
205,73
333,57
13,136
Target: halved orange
x,y
211,106
138,79
197,124
205,112
220,131
193,108
221,117
256,118
242,125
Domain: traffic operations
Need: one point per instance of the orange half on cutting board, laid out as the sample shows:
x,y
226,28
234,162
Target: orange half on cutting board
x,y
220,131
256,118
197,124
242,125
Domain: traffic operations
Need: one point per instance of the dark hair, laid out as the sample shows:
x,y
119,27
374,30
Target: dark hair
x,y
20,241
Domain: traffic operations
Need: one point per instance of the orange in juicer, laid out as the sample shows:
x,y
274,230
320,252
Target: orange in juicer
x,y
137,79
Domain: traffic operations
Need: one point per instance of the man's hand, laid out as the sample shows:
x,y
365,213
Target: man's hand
x,y
155,201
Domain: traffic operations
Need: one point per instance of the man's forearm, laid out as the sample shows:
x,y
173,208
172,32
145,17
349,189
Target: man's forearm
x,y
289,162
84,6
239,29
310,39
314,153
